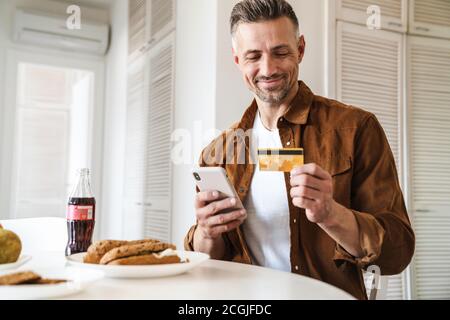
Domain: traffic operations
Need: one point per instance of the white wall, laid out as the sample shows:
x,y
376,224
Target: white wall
x,y
115,124
232,96
195,98
313,25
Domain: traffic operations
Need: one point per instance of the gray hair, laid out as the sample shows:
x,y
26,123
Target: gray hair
x,y
248,11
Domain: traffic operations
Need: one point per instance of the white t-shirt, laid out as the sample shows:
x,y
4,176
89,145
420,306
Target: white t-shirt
x,y
266,228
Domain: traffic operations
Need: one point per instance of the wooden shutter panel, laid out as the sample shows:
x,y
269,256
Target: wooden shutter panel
x,y
369,75
157,215
429,117
136,141
393,12
136,136
392,8
137,25
430,17
162,16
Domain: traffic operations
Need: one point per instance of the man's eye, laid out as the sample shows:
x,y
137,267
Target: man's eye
x,y
252,58
282,54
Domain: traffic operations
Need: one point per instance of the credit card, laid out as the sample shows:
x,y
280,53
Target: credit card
x,y
283,160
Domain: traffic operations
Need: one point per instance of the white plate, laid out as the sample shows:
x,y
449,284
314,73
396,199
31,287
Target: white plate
x,y
78,281
22,259
143,271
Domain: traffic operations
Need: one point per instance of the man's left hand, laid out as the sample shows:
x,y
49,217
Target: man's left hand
x,y
312,190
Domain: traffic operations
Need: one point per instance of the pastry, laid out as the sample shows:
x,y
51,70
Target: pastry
x,y
98,249
146,260
135,250
18,278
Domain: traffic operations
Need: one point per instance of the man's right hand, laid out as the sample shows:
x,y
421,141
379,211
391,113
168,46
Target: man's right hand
x,y
211,223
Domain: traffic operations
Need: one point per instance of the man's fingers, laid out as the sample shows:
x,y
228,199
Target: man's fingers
x,y
215,207
307,181
302,202
309,193
225,218
311,169
204,197
216,231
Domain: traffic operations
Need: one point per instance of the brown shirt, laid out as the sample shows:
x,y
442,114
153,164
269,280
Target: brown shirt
x,y
351,145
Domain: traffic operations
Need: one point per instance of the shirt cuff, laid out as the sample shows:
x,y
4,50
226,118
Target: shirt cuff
x,y
371,236
189,239
189,244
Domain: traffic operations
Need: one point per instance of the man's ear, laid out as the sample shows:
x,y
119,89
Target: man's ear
x,y
301,48
235,56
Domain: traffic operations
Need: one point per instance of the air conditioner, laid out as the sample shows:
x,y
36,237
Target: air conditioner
x,y
46,30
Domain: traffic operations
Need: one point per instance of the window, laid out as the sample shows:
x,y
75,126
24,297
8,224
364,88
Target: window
x,y
52,137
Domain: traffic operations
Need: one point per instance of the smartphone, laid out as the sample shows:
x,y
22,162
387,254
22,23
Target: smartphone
x,y
216,179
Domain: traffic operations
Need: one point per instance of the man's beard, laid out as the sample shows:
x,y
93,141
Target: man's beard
x,y
273,96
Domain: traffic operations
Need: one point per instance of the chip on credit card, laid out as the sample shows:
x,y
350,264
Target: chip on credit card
x,y
283,160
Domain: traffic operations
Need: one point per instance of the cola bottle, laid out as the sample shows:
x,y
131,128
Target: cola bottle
x,y
80,215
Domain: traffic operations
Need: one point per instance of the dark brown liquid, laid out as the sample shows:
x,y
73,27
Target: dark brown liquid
x,y
80,232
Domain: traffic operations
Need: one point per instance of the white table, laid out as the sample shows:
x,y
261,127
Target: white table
x,y
212,280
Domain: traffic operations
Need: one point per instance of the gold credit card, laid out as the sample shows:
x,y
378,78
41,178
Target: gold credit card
x,y
283,160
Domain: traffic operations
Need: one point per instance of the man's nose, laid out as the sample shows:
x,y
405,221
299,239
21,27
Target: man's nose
x,y
268,67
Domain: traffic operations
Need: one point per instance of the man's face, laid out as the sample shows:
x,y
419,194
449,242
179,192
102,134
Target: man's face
x,y
268,54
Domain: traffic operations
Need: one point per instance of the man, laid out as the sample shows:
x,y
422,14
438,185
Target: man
x,y
329,219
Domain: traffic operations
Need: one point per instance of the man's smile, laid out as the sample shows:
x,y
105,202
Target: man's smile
x,y
269,84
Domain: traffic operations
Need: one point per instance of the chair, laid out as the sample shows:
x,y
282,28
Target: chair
x,y
376,286
39,234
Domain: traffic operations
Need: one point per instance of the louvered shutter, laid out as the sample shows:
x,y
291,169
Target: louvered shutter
x,y
429,120
137,25
430,18
43,140
157,216
369,75
393,12
149,21
162,17
136,141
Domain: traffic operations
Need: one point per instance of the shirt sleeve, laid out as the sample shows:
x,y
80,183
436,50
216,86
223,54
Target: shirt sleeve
x,y
189,244
385,232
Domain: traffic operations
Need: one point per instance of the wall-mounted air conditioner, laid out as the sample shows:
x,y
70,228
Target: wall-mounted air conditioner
x,y
46,30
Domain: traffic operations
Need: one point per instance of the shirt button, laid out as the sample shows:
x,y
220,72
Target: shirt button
x,y
295,220
281,119
296,268
241,190
288,143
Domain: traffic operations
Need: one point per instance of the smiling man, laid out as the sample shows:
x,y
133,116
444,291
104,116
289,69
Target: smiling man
x,y
332,217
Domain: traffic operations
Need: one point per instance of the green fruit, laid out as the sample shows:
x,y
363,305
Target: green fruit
x,y
10,246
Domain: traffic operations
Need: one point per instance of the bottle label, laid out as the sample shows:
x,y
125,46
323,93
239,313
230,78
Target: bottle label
x,y
80,212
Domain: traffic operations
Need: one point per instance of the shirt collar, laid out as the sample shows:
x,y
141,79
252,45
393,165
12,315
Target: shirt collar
x,y
297,113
